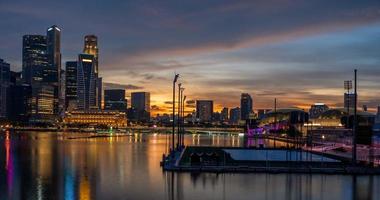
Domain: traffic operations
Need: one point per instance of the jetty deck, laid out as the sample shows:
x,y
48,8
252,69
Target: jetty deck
x,y
259,160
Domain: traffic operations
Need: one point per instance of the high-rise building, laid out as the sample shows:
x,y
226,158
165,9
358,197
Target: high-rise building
x,y
52,72
4,85
235,115
20,102
349,100
224,114
246,106
91,47
140,103
205,110
317,109
34,58
86,81
42,103
71,85
115,100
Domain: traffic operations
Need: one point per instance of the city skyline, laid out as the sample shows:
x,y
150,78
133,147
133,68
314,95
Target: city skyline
x,y
296,58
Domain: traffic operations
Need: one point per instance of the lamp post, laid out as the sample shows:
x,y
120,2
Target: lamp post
x,y
348,87
183,120
354,127
179,112
176,76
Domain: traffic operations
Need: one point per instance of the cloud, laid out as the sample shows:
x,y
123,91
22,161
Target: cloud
x,y
107,85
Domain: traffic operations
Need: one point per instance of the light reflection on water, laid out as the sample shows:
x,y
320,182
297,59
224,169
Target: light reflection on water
x,y
58,166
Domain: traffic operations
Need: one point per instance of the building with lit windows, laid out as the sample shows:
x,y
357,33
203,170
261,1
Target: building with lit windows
x,y
34,58
95,118
317,109
91,48
71,85
52,73
205,110
246,106
42,104
86,83
115,100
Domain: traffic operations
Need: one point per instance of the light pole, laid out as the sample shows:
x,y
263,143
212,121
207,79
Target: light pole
x,y
179,112
348,87
183,120
354,127
176,76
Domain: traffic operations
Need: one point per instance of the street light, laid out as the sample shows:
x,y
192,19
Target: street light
x,y
183,119
179,112
176,76
348,87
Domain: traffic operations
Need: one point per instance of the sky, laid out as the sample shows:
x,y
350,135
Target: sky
x,y
298,51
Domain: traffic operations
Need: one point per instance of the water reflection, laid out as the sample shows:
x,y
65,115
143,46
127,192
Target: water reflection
x,y
71,166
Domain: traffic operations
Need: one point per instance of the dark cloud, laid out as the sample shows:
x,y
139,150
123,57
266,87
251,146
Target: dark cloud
x,y
121,86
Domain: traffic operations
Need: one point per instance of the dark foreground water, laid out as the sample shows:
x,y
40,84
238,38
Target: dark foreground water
x,y
63,166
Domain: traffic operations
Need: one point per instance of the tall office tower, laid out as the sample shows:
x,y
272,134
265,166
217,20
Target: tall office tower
x,y
317,109
71,85
115,100
245,106
141,105
20,102
86,81
53,71
224,114
34,59
42,103
4,85
349,101
235,115
205,109
91,47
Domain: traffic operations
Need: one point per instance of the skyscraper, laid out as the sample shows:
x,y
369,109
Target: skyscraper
x,y
52,72
141,105
91,47
42,103
205,109
86,83
235,115
4,85
246,106
34,58
115,100
224,114
71,85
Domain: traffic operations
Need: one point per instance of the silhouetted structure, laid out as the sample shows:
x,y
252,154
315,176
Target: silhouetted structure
x,y
205,110
246,106
115,100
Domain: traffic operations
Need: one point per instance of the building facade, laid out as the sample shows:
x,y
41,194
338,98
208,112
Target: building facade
x,y
86,81
205,110
71,85
246,106
95,118
52,73
235,115
91,48
140,104
34,58
4,86
317,109
115,100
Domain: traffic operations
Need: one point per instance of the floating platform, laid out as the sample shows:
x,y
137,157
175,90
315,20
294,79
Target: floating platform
x,y
259,160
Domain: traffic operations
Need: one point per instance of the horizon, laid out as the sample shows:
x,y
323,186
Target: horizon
x,y
302,56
